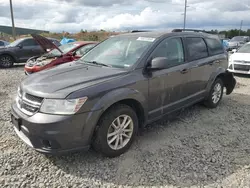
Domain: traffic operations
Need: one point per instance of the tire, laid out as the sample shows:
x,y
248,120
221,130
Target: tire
x,y
215,94
107,126
6,61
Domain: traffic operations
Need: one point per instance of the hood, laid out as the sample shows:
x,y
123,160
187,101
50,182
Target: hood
x,y
45,43
64,79
241,56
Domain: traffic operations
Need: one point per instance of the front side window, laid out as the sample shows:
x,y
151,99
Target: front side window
x,y
119,51
244,49
172,49
215,46
196,48
16,42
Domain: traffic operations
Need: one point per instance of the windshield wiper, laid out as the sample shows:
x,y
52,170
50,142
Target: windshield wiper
x,y
97,63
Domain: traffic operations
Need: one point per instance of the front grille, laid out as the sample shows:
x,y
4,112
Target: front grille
x,y
33,98
238,61
242,67
27,103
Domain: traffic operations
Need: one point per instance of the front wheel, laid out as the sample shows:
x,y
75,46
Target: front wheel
x,y
215,94
116,131
6,61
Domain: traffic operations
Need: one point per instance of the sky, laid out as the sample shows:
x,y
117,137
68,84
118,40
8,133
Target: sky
x,y
123,15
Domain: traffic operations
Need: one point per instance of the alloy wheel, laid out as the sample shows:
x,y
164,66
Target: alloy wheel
x,y
120,132
217,91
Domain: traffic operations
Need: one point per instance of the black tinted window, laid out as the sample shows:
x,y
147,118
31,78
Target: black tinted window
x,y
172,49
197,48
215,46
1,43
29,42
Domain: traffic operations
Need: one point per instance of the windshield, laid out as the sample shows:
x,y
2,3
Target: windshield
x,y
244,49
64,48
238,39
15,43
119,52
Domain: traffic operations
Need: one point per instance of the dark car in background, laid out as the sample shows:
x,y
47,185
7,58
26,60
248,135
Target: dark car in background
x,y
237,42
123,83
21,50
3,43
58,55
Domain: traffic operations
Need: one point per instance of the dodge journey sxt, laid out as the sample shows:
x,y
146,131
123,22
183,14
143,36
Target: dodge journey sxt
x,y
122,84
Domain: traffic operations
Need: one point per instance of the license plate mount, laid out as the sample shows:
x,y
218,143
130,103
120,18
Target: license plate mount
x,y
16,122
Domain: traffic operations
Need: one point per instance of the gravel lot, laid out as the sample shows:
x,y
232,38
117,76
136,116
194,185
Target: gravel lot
x,y
198,148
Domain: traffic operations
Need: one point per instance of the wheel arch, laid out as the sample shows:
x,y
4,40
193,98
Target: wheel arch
x,y
227,78
9,54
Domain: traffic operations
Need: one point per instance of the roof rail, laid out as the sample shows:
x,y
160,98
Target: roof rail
x,y
137,31
194,30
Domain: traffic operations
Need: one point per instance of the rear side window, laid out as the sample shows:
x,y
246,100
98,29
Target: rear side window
x,y
215,46
1,43
29,42
197,48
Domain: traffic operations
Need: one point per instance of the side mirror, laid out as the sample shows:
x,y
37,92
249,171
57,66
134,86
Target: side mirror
x,y
234,50
158,63
20,46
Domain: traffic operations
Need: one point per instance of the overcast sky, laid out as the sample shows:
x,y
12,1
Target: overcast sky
x,y
74,15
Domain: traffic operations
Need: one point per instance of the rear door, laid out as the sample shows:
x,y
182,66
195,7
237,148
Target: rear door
x,y
218,57
29,49
199,66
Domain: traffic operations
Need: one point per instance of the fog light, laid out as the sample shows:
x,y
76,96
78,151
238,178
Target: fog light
x,y
47,144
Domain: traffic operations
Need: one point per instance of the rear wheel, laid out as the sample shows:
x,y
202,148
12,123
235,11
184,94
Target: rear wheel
x,y
6,61
215,94
116,131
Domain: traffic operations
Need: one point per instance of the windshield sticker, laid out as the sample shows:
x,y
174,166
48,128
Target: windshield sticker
x,y
147,39
126,65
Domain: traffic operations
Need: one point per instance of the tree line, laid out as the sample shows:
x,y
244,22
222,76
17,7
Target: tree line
x,y
232,33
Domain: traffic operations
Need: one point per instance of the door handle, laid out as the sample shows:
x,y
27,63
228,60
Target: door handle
x,y
184,71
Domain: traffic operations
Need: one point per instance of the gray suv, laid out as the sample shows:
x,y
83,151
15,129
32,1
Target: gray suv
x,y
122,84
21,50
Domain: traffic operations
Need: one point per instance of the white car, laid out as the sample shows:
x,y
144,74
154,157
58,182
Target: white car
x,y
239,61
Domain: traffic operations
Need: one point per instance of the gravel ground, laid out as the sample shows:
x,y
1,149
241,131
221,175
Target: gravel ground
x,y
197,148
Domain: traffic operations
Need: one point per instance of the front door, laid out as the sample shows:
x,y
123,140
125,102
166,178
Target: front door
x,y
165,85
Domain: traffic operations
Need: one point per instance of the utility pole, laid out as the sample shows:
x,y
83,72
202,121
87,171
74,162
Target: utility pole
x,y
12,19
241,23
185,15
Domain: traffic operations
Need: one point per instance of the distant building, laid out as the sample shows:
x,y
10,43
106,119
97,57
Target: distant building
x,y
20,31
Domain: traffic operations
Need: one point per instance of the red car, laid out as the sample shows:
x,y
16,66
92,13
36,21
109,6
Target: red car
x,y
58,55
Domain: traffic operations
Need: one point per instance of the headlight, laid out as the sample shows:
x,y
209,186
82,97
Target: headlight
x,y
62,106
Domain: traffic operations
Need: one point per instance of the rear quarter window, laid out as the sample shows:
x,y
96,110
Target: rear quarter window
x,y
196,48
215,46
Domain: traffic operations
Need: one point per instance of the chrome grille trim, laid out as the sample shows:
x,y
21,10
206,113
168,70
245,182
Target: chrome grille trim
x,y
28,106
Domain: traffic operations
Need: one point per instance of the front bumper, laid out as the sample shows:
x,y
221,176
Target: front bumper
x,y
241,68
54,134
29,70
